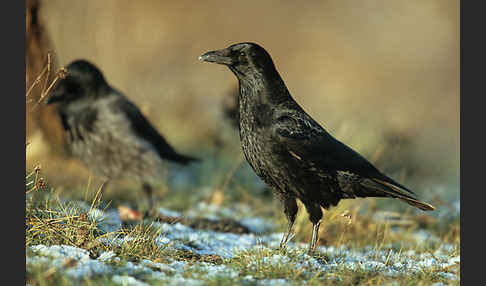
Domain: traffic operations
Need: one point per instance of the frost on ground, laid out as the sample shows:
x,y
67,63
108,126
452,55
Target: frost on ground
x,y
256,250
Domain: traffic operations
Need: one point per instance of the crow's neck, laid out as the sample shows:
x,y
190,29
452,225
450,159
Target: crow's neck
x,y
260,88
258,97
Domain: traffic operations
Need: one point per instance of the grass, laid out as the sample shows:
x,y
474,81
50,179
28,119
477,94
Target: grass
x,y
51,220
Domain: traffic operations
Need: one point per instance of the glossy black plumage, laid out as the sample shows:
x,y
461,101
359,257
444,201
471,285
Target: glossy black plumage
x,y
290,151
107,131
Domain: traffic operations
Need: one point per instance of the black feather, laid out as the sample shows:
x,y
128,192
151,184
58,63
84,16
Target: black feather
x,y
142,127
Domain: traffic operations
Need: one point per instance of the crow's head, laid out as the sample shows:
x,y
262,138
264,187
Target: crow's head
x,y
244,59
83,80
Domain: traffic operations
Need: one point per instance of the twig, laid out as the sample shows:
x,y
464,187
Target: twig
x,y
48,72
36,82
61,74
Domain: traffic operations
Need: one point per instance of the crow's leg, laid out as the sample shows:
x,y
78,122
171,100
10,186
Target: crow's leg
x,y
315,237
290,209
147,188
315,216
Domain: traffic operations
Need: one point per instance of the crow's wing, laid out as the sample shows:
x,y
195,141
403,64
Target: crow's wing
x,y
306,137
142,128
307,140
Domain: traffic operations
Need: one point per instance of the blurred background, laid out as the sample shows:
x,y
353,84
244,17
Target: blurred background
x,y
381,76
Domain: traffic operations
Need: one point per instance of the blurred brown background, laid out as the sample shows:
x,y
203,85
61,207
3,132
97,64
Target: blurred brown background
x,y
381,76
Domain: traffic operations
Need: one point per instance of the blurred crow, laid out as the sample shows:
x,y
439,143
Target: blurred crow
x,y
290,151
107,131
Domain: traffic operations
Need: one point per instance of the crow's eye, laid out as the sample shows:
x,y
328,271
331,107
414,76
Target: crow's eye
x,y
242,54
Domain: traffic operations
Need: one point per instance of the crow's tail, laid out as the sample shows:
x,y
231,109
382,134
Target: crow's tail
x,y
183,159
396,191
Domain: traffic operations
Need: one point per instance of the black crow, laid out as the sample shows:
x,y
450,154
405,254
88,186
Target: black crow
x,y
290,151
107,131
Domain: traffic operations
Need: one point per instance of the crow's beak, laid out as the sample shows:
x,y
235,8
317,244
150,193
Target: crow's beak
x,y
57,94
219,57
53,99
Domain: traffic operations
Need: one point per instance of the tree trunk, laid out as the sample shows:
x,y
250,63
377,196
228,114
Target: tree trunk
x,y
39,116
